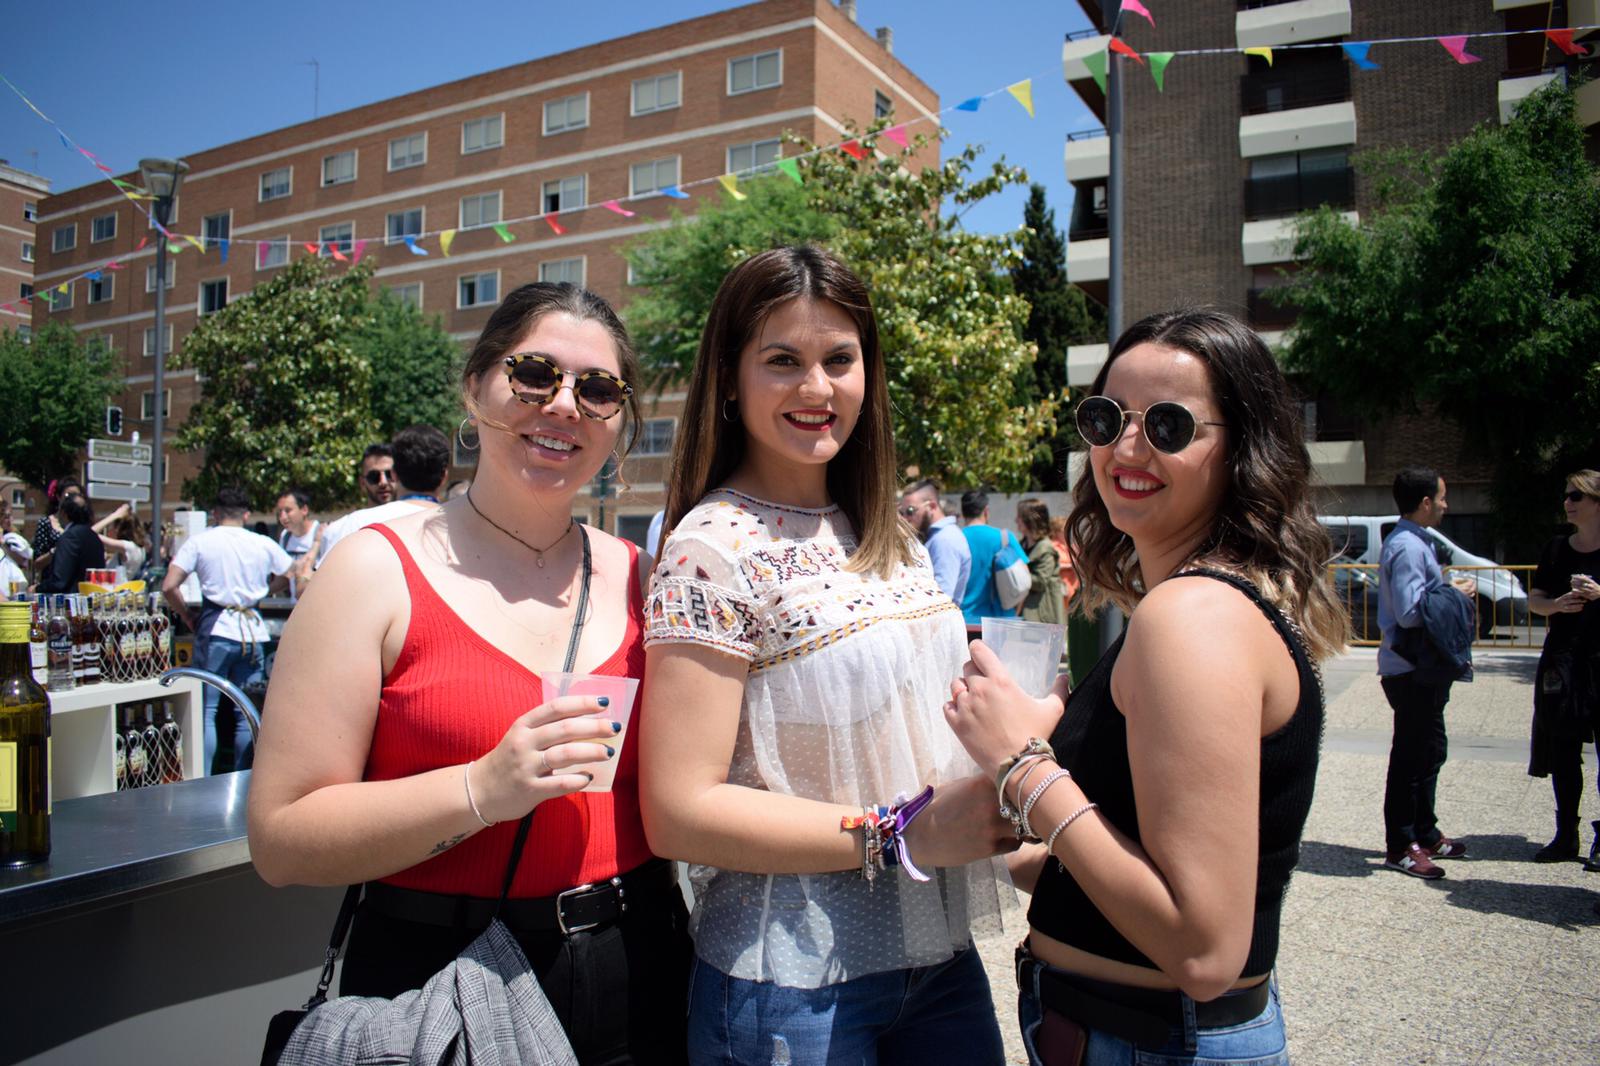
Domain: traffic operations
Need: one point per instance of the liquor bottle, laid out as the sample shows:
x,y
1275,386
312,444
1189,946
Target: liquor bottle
x,y
89,641
160,635
133,740
119,758
59,635
127,642
24,746
105,625
39,642
145,638
154,770
171,746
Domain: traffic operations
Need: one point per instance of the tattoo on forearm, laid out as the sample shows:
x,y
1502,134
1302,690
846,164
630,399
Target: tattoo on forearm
x,y
445,845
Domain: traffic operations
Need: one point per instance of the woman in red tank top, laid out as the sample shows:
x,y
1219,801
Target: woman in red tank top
x,y
409,731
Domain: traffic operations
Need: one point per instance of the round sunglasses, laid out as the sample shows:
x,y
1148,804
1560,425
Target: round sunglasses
x,y
536,380
1168,425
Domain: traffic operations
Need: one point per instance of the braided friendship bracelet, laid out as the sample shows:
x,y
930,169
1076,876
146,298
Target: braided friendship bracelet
x,y
883,834
466,775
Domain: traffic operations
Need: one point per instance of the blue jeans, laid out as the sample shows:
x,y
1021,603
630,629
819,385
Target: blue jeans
x,y
243,666
1257,1042
913,1017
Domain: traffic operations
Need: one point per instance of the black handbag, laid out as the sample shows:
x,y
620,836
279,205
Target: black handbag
x,y
284,1023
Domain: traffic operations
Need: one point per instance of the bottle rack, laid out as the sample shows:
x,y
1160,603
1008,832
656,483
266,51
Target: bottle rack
x,y
83,722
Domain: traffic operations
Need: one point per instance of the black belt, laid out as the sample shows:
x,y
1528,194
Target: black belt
x,y
572,911
1142,1016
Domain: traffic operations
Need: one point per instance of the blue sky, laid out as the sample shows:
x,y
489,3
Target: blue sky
x,y
143,80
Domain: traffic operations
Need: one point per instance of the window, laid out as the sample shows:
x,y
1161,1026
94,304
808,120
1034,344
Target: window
x,y
108,341
341,237
103,228
147,404
409,151
216,228
408,294
656,94
27,251
564,194
482,133
559,270
650,177
475,290
480,210
213,296
60,301
102,289
655,437
25,333
276,184
150,340
339,168
1299,181
30,212
882,106
634,527
755,156
27,291
273,252
19,499
567,113
402,224
65,238
150,275
755,72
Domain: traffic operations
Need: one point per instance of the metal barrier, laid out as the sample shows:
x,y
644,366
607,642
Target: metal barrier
x,y
1502,623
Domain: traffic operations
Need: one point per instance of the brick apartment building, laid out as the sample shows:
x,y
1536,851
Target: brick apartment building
x,y
1217,166
616,120
20,195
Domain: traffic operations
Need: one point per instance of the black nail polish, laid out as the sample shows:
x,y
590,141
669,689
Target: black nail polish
x,y
604,701
610,752
616,727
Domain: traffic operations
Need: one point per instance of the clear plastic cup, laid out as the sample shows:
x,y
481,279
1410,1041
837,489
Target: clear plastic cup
x,y
621,691
1030,651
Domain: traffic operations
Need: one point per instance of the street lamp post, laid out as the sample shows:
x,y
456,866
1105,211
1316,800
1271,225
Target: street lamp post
x,y
161,180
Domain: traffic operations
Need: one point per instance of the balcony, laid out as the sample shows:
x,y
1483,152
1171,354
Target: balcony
x,y
1322,126
1588,97
1339,462
1286,90
1265,25
1514,90
1087,156
1073,51
1272,240
1088,259
1084,362
1294,193
1264,314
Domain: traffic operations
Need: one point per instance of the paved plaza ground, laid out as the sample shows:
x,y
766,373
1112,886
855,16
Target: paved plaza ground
x,y
1497,963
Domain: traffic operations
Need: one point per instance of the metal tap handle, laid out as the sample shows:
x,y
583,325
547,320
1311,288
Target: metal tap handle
x,y
246,706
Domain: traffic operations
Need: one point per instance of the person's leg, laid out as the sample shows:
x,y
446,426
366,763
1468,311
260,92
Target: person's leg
x,y
1400,788
244,671
948,1016
734,1022
1431,700
214,659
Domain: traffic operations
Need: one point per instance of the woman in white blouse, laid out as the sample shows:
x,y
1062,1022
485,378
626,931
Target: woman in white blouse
x,y
799,655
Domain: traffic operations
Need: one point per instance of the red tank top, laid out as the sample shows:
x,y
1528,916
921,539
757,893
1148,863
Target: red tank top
x,y
450,697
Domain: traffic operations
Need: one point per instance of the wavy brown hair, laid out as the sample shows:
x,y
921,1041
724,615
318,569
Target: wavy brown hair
x,y
862,478
1266,524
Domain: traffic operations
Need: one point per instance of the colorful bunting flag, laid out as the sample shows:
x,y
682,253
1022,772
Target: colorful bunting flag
x,y
853,149
1264,53
93,275
897,134
411,245
49,299
64,142
503,233
113,265
119,183
196,242
1095,62
612,205
731,183
261,254
551,220
970,105
102,166
445,240
1022,92
312,247
338,256
222,247
1119,45
173,247
1357,51
142,242
1138,9
791,168
1158,68
674,192
1457,47
64,287
1562,39
360,250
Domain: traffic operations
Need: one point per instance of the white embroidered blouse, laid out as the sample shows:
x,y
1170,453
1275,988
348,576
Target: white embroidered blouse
x,y
848,676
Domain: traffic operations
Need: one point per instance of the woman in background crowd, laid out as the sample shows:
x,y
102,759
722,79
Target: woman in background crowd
x,y
1044,601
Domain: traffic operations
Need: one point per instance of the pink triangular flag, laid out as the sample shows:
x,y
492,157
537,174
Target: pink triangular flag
x,y
897,134
612,205
1456,45
1138,9
340,256
360,248
551,220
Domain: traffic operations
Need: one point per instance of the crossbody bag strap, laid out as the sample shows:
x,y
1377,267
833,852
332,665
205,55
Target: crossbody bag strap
x,y
341,929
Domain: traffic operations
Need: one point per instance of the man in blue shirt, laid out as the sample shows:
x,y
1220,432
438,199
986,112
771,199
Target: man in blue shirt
x,y
952,559
985,542
1407,570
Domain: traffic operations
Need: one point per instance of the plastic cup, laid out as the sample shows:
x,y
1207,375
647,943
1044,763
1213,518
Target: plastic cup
x,y
621,691
1030,651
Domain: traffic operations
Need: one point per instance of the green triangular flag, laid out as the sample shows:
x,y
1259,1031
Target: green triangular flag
x,y
174,247
1158,67
1096,62
119,183
791,168
505,234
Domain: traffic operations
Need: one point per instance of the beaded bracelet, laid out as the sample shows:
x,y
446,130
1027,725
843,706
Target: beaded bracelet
x,y
1033,797
1007,811
1050,844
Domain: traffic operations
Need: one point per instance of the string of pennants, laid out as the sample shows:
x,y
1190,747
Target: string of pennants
x,y
1358,52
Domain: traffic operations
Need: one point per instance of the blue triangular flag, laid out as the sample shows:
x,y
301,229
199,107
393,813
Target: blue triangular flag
x,y
64,142
222,246
1357,51
970,105
411,243
674,192
93,275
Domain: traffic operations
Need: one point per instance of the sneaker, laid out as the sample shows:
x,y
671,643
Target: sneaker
x,y
1416,862
1447,849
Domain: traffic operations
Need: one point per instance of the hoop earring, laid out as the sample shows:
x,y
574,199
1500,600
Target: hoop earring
x,y
726,417
461,436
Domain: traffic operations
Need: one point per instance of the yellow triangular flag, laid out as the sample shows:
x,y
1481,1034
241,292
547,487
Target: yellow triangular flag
x,y
63,287
444,241
1023,91
1264,53
196,242
731,183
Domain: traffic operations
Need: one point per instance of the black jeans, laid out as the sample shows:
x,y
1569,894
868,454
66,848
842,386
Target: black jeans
x,y
621,990
1415,756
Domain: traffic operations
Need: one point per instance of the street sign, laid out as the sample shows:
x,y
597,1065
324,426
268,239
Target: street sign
x,y
120,451
99,490
121,473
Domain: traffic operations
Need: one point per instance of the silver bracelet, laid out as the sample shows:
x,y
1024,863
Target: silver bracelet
x,y
1033,797
1007,811
1050,845
1023,783
466,775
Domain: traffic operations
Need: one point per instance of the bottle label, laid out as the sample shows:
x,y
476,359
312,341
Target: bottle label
x,y
136,761
8,786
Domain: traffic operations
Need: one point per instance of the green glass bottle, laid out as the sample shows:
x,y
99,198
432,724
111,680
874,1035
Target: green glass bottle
x,y
24,746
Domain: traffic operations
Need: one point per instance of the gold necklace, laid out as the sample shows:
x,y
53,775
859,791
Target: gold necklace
x,y
538,552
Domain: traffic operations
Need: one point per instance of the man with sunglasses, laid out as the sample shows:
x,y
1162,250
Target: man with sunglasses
x,y
377,474
947,547
419,457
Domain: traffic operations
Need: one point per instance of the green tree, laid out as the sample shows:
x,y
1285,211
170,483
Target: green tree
x,y
1059,315
55,390
1473,289
951,328
415,365
285,396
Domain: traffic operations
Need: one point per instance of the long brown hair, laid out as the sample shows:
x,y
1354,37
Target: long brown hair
x,y
862,479
1266,523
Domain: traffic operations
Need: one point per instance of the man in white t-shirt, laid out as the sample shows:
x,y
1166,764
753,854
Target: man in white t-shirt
x,y
16,555
421,464
237,570
301,535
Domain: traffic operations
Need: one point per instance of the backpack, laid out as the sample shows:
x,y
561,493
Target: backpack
x,y
1011,577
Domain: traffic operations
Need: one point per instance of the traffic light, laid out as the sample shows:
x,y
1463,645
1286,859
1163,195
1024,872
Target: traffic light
x,y
113,421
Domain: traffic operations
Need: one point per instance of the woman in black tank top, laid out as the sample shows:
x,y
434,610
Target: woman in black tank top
x,y
1170,796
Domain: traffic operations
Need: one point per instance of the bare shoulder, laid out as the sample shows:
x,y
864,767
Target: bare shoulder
x,y
362,575
1201,627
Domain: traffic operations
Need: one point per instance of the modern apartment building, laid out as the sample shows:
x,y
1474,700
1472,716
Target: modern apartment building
x,y
556,136
20,196
1218,164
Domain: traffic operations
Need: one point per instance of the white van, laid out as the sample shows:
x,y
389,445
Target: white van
x,y
1359,539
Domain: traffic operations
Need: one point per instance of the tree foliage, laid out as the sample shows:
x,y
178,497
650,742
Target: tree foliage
x,y
55,388
1474,289
1059,315
415,365
950,325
